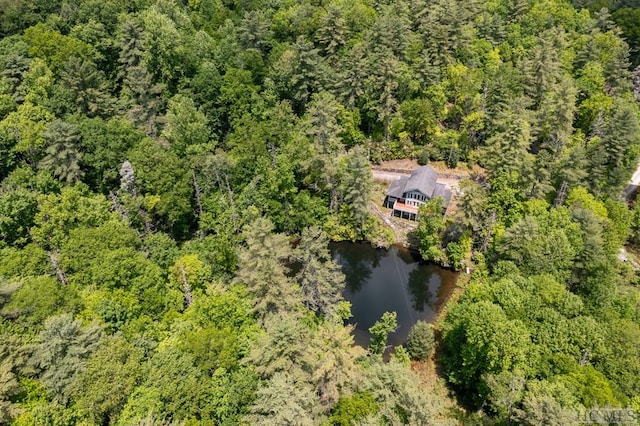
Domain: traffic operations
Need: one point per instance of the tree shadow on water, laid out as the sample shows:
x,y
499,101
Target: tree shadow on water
x,y
358,261
418,283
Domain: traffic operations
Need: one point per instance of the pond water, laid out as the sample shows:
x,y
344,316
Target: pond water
x,y
380,280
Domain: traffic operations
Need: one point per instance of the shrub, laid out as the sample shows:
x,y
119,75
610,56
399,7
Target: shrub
x,y
421,341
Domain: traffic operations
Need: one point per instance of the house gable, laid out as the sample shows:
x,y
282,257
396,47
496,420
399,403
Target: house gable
x,y
423,179
406,194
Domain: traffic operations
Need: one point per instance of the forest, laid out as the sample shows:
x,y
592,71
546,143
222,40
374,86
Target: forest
x,y
172,173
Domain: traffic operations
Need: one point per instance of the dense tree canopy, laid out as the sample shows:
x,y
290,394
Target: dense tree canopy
x,y
171,173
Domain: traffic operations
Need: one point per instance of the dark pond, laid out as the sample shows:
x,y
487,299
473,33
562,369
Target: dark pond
x,y
380,280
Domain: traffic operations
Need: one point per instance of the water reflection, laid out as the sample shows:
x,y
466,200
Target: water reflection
x,y
357,265
380,280
419,287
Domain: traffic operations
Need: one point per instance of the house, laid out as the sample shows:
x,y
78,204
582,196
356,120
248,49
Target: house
x,y
406,194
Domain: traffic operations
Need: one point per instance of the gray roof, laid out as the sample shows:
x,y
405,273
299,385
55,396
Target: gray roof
x,y
422,179
442,191
396,189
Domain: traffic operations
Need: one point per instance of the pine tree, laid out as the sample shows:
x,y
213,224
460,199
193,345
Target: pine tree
x,y
12,70
613,156
284,401
254,31
87,86
507,150
556,115
62,154
285,347
355,188
382,87
307,74
140,94
543,69
333,32
350,82
61,351
321,279
130,43
390,33
322,123
261,268
336,369
420,341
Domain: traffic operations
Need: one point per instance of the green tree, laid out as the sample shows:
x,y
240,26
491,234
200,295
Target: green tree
x,y
39,298
112,372
333,32
352,408
613,155
336,370
172,387
430,227
104,145
480,339
355,188
511,141
186,125
388,323
63,154
320,277
283,400
307,71
17,212
87,87
61,352
420,341
58,214
399,396
262,270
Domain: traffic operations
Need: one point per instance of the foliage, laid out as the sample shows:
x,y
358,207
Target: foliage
x,y
420,341
171,174
380,331
430,228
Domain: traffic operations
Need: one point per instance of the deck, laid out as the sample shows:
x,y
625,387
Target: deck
x,y
405,211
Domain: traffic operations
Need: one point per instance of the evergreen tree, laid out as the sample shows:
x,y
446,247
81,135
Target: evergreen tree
x,y
321,279
61,353
254,31
63,154
613,156
262,269
544,67
337,370
140,95
507,150
144,100
322,124
356,188
87,87
333,32
350,81
308,74
420,341
556,116
285,401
